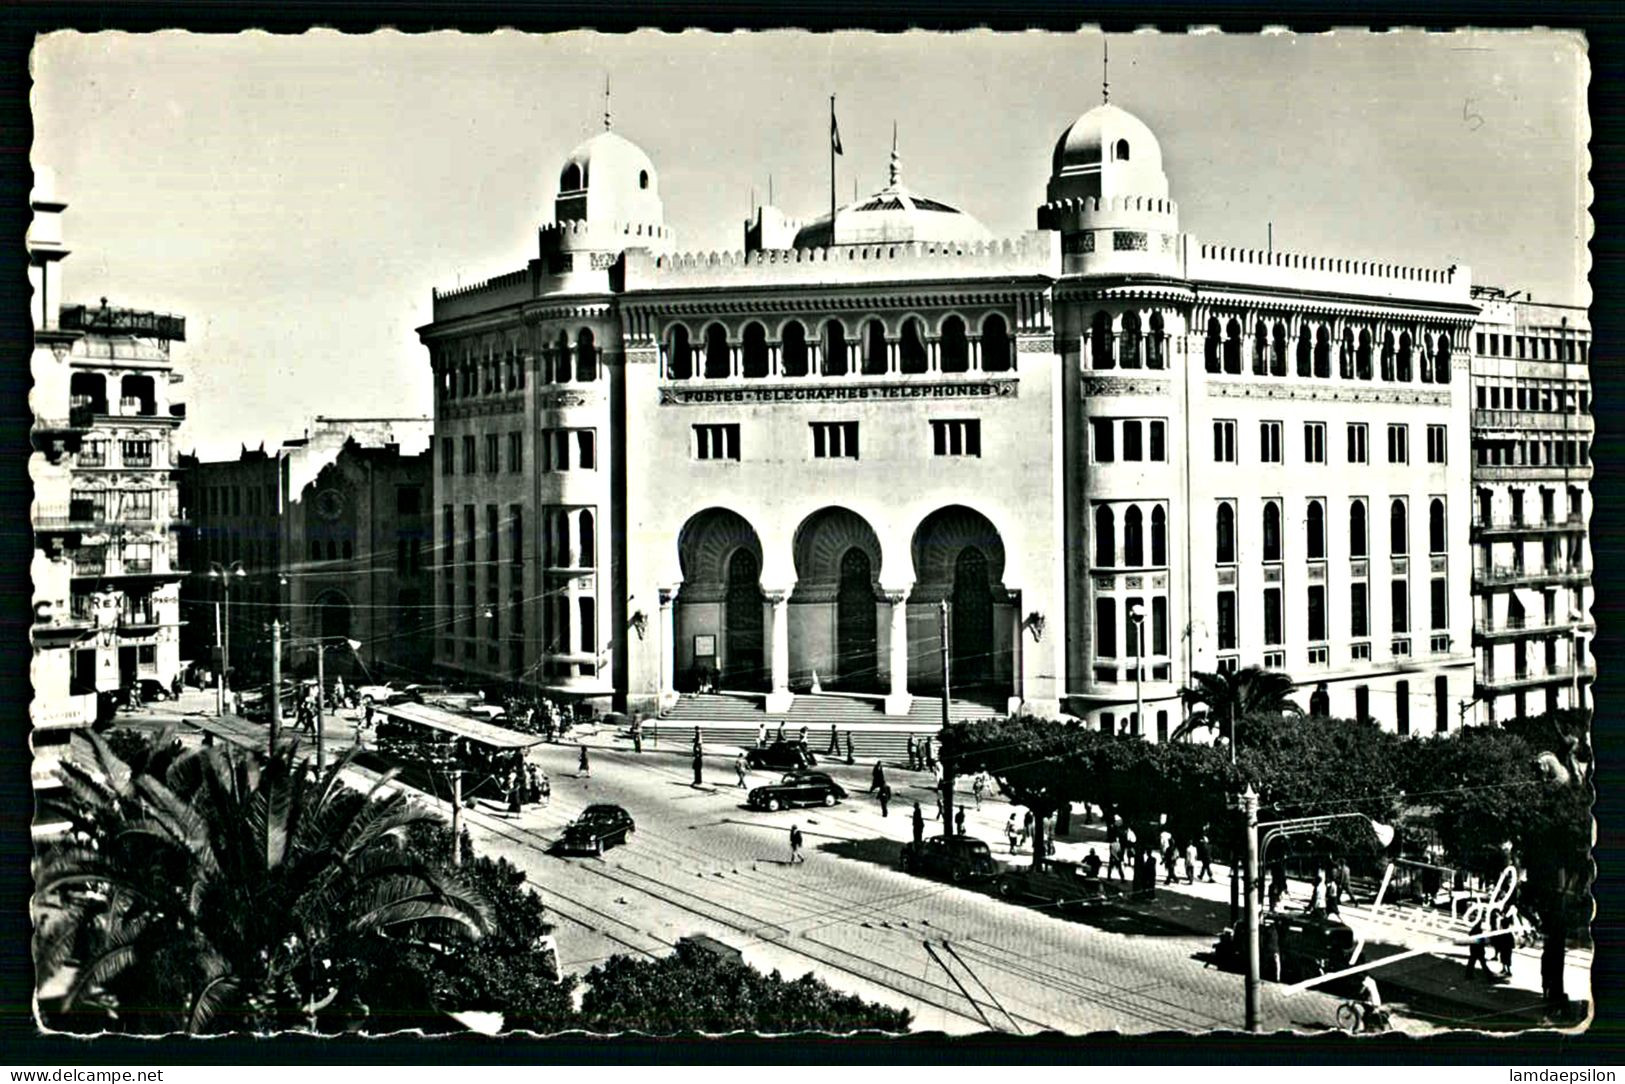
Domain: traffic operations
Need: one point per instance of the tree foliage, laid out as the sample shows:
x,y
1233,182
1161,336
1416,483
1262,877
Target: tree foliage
x,y
693,990
1214,700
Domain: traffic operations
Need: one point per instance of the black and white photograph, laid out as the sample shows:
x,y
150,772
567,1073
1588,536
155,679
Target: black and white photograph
x,y
789,532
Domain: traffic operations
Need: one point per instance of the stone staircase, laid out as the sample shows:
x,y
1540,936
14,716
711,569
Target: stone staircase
x,y
732,718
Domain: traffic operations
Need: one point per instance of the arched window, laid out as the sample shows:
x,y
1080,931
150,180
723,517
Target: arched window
x,y
718,364
561,358
1441,359
1120,152
588,557
793,349
1403,368
1315,529
586,357
874,348
1224,528
1100,341
753,351
1357,529
911,348
643,178
996,352
1278,351
1159,537
138,390
1424,360
1213,345
954,353
570,179
1436,537
1345,356
1362,358
88,390
1398,529
1128,342
1154,344
1306,351
1105,536
561,539
679,355
834,363
1388,355
1133,537
1323,353
1261,349
1272,531
1232,347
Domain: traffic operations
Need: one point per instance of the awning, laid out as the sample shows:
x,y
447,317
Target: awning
x,y
459,726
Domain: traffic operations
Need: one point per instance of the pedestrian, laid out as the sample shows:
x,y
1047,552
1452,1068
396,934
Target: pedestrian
x,y
637,734
1114,857
698,744
515,799
1278,889
1317,895
885,800
959,821
877,778
534,781
1334,898
1204,855
849,757
1503,941
1477,956
175,687
802,740
1049,835
781,731
1012,833
834,742
795,845
761,735
739,770
940,808
1170,860
338,691
1091,864
1026,827
582,766
913,755
918,821
1190,862
699,766
930,754
978,787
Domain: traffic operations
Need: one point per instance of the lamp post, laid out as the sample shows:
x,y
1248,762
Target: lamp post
x,y
1136,615
223,639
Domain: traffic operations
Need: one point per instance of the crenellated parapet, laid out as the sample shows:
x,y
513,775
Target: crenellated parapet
x,y
506,289
580,234
1292,271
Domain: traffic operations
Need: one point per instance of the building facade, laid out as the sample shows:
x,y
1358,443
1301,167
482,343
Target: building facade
x,y
1532,432
1121,455
332,534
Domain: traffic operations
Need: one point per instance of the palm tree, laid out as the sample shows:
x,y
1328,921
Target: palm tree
x,y
218,894
1217,700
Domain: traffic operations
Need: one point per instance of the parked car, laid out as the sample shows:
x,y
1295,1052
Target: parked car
x,y
781,756
797,788
381,694
255,703
599,826
1307,946
1058,886
959,859
153,690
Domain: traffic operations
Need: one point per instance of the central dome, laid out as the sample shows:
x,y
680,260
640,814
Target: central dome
x,y
893,215
1105,134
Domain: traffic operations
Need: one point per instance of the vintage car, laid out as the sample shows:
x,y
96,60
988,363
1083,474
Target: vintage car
x,y
959,859
1292,946
797,788
1055,886
380,694
781,756
598,827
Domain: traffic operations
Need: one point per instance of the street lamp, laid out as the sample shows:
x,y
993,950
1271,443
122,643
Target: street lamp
x,y
1136,615
223,640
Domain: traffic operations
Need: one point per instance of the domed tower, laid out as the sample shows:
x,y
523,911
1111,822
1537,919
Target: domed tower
x,y
1108,197
608,201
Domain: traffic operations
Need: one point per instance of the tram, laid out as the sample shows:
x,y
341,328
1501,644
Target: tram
x,y
432,742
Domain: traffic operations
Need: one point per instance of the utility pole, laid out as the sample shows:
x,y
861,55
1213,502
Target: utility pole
x,y
1235,901
276,682
1249,812
225,643
220,677
457,816
947,777
321,690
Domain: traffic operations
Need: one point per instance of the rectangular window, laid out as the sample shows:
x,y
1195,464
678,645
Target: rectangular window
x,y
493,609
716,441
1441,704
1399,600
468,610
1159,625
1272,615
492,533
1402,707
516,453
1105,628
449,618
1399,450
1358,451
1227,620
468,534
469,466
516,534
957,437
1436,443
491,448
1132,634
448,533
1439,605
1133,449
138,453
834,440
1224,441
1480,342
1105,447
1362,703
93,453
1359,612
1269,442
1317,612
1159,440
1314,442
448,456
587,449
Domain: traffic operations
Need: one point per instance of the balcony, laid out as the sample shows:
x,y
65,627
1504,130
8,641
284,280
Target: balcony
x,y
1548,576
1522,421
1490,532
1522,628
1507,472
80,419
1491,684
108,319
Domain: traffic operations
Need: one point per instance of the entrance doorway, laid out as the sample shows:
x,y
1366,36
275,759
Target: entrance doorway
x,y
972,620
742,663
855,635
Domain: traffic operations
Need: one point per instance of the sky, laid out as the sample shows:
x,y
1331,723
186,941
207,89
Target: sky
x,y
297,198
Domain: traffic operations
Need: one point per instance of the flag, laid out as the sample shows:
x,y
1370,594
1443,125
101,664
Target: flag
x,y
834,130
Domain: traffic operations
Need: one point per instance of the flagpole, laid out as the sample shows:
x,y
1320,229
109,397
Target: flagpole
x,y
832,171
